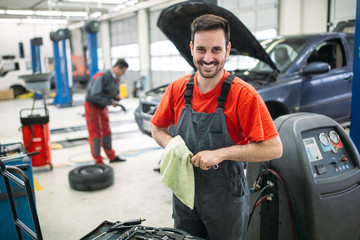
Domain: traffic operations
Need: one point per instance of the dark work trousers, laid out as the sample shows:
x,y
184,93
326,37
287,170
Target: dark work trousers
x,y
221,208
97,120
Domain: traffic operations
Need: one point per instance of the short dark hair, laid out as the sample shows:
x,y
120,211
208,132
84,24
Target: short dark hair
x,y
121,63
210,22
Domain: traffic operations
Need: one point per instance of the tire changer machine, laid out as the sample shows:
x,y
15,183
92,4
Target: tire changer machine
x,y
313,191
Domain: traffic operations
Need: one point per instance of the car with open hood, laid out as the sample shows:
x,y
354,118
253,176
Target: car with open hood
x,y
302,73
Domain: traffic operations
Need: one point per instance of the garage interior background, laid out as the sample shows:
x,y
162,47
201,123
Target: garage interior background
x,y
132,33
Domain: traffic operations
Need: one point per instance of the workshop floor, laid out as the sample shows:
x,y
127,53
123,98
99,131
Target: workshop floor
x,y
137,192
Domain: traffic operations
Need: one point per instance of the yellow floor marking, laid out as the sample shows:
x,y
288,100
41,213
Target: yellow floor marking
x,y
37,186
55,145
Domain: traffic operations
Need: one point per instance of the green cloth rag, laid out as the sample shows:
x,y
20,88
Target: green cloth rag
x,y
177,171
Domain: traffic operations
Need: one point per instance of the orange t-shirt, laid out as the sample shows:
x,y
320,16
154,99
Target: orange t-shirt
x,y
247,117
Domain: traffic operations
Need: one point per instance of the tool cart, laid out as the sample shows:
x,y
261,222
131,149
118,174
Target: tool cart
x,y
18,218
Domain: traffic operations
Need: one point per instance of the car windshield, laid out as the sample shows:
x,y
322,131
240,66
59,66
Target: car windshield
x,y
282,52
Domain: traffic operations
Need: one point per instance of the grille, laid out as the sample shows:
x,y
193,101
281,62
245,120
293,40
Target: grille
x,y
148,108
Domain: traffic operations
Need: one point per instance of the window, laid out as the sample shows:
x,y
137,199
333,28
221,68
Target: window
x,y
331,52
351,43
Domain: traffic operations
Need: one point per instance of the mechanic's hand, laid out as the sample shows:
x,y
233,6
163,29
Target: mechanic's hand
x,y
205,159
117,98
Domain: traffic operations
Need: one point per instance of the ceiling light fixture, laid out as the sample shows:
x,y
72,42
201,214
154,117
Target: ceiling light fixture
x,y
74,14
119,7
95,15
20,12
48,13
131,2
10,20
56,21
32,20
99,1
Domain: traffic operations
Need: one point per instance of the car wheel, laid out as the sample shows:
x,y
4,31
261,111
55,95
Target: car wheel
x,y
91,177
18,90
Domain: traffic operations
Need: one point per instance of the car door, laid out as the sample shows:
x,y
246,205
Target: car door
x,y
329,93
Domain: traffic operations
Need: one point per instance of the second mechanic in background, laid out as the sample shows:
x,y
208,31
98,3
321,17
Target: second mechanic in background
x,y
102,91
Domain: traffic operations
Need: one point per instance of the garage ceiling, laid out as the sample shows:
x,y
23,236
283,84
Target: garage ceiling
x,y
70,10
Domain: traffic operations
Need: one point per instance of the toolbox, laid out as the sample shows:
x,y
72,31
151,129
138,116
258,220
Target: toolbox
x,y
133,230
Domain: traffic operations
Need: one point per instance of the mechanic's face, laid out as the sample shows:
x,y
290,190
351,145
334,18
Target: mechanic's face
x,y
209,52
119,71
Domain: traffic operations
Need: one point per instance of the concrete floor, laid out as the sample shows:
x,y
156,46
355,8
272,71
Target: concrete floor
x,y
137,192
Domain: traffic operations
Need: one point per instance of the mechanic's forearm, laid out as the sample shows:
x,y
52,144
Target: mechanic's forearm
x,y
253,152
161,135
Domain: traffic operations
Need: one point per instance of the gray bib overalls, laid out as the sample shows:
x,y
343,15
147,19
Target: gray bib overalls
x,y
221,207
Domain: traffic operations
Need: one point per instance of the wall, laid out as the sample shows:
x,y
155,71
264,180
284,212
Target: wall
x,y
13,33
302,16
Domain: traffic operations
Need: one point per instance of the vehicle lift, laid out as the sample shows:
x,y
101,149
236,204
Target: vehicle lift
x,y
62,66
36,55
355,114
91,28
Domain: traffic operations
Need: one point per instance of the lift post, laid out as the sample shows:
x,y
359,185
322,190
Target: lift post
x,y
355,115
35,54
92,27
62,67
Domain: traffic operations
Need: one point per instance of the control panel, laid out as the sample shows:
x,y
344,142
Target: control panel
x,y
326,153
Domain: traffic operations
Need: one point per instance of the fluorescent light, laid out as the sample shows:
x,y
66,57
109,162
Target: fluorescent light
x,y
32,20
10,20
109,1
20,12
78,0
119,7
95,15
74,14
2,11
99,1
131,2
56,21
48,13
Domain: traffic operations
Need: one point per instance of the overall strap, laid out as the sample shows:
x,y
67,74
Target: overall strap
x,y
189,90
225,90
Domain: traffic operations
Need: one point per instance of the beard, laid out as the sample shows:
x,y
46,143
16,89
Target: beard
x,y
218,66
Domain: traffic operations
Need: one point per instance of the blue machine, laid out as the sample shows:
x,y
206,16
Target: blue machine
x,y
62,67
92,27
14,154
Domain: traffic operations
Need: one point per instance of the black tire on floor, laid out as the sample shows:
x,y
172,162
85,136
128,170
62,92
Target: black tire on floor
x,y
91,177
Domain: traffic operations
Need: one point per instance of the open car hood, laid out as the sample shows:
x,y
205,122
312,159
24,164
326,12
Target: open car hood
x,y
175,21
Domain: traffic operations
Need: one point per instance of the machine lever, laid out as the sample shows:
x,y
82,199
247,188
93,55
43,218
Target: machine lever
x,y
33,153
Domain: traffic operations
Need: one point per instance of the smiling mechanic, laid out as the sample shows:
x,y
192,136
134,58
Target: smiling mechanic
x,y
224,123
